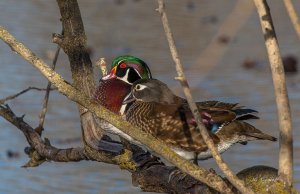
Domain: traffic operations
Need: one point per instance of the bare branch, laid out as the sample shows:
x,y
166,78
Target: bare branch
x,y
46,98
42,150
2,101
181,77
282,101
293,16
73,42
74,94
45,151
147,171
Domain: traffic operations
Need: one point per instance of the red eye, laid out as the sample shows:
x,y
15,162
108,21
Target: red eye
x,y
123,65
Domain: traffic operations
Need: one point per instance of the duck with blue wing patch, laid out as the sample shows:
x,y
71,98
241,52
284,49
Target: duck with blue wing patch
x,y
156,110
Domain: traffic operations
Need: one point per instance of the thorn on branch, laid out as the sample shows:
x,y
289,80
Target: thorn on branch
x,y
21,118
58,39
179,78
160,8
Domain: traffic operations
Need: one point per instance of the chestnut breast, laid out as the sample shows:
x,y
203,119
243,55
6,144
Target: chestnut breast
x,y
110,94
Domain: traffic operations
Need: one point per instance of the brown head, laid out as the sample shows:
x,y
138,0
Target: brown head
x,y
152,90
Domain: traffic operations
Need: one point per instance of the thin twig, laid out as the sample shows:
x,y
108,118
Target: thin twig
x,y
181,77
282,101
43,112
2,101
101,63
47,151
293,16
74,94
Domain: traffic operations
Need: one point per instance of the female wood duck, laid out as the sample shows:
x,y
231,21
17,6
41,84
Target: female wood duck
x,y
157,110
114,87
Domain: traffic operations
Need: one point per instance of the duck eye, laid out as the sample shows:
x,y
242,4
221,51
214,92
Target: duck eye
x,y
123,65
138,87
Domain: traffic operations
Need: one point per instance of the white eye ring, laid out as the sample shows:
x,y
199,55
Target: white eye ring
x,y
140,87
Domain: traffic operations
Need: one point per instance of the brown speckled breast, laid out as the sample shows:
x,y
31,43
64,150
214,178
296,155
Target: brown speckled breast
x,y
110,94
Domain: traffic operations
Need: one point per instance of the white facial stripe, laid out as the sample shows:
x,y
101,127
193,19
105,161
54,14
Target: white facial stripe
x,y
120,62
125,77
137,72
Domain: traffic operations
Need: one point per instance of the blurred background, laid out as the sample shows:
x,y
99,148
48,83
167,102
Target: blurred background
x,y
221,47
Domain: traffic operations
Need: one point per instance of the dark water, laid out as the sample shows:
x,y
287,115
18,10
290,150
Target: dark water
x,y
214,69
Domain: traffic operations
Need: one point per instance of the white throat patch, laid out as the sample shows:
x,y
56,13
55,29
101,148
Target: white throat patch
x,y
125,78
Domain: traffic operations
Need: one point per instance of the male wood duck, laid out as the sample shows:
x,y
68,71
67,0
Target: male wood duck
x,y
158,111
114,87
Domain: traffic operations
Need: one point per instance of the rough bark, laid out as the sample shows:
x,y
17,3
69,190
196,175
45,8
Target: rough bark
x,y
73,42
282,101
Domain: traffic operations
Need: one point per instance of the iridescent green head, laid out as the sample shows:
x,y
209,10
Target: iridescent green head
x,y
129,69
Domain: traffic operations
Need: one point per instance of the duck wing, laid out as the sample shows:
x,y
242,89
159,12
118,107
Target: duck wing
x,y
175,127
240,112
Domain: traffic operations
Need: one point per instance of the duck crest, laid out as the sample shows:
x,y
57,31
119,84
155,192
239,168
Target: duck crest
x,y
135,63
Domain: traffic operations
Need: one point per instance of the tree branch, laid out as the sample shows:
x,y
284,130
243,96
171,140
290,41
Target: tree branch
x,y
45,150
73,42
42,150
283,107
74,94
147,171
293,16
181,77
46,98
2,101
